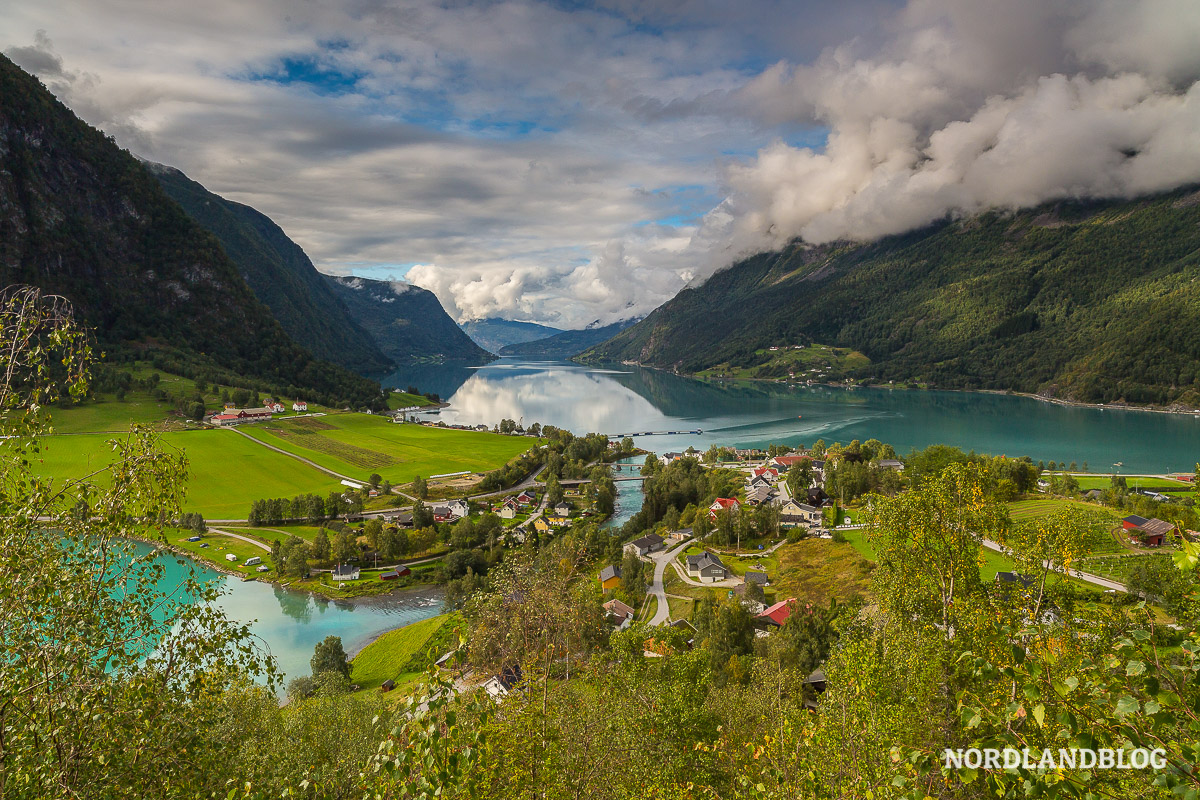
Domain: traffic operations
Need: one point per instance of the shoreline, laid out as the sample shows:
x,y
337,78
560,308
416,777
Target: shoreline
x,y
1010,392
351,656
223,569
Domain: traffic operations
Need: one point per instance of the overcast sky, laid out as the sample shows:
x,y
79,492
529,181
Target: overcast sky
x,y
569,162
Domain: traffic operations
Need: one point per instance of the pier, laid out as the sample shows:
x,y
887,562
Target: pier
x,y
696,432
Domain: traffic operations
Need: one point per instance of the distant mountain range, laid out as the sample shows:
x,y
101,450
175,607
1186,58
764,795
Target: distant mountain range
x,y
405,321
1091,301
82,218
493,334
280,274
567,344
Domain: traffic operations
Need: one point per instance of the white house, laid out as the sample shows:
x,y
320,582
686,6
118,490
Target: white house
x,y
793,513
299,405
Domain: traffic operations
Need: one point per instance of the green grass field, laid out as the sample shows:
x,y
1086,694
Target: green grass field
x,y
993,562
110,415
814,361
1042,507
360,444
1132,481
395,651
226,472
405,400
218,547
680,608
268,534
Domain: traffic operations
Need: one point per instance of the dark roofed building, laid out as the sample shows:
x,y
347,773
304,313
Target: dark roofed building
x,y
707,567
647,544
1014,578
754,576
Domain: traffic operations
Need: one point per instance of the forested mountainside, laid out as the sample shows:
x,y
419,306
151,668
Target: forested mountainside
x,y
493,334
566,344
280,275
406,322
82,218
1091,301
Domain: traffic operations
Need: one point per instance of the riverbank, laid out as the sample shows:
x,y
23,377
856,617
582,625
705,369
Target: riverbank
x,y
358,591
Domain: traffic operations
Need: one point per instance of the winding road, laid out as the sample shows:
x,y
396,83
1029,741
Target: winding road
x,y
663,612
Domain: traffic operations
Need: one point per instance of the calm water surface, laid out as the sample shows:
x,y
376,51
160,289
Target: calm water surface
x,y
747,414
289,624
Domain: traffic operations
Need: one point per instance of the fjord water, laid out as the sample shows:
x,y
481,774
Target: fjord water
x,y
288,624
625,399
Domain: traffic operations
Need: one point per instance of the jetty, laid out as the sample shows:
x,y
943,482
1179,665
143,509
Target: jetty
x,y
696,432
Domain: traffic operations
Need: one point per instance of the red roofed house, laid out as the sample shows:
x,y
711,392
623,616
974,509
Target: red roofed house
x,y
300,405
771,475
785,462
729,504
777,614
224,419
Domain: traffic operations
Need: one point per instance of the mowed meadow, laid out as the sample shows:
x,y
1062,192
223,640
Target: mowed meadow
x,y
228,471
358,445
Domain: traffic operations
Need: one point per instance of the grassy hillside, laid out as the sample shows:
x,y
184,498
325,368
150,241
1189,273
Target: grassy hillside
x,y
404,653
279,273
1089,301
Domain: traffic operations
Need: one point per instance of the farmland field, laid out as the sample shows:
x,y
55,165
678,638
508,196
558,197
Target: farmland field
x,y
360,444
226,472
1041,507
1116,567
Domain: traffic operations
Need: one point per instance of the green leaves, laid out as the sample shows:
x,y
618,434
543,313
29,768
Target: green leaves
x,y
1126,705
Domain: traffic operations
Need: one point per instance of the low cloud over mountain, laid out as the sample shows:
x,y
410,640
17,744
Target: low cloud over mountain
x,y
526,160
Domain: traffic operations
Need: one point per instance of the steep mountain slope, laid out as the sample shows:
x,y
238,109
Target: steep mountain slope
x,y
1095,301
406,322
82,218
279,273
493,334
568,343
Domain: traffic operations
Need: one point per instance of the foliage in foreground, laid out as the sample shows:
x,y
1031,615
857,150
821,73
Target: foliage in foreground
x,y
111,689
